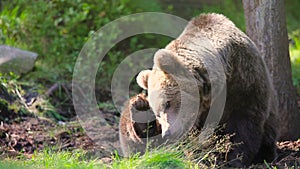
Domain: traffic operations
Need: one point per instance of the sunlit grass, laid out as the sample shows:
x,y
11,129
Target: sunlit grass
x,y
158,159
52,160
184,154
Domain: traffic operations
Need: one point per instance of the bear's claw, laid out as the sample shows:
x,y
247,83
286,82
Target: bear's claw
x,y
140,103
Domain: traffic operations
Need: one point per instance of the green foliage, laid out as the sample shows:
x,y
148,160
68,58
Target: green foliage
x,y
292,14
230,8
10,92
9,81
58,29
295,57
13,102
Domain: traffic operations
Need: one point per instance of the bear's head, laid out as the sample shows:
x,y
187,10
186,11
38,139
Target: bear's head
x,y
168,83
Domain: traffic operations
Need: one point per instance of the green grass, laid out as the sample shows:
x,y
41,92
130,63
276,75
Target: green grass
x,y
157,159
76,160
184,154
52,160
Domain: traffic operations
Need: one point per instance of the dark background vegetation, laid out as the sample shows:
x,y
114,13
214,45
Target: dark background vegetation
x,y
58,29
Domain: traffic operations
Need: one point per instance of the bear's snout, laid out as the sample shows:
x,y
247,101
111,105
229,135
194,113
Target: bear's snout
x,y
166,134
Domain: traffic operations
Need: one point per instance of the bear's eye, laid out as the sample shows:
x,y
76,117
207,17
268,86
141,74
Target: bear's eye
x,y
167,105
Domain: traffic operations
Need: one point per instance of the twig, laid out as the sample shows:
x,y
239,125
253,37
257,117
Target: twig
x,y
22,99
52,89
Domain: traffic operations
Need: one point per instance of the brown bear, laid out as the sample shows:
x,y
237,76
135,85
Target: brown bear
x,y
138,128
188,64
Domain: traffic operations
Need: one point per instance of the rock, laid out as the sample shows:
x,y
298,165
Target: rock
x,y
16,60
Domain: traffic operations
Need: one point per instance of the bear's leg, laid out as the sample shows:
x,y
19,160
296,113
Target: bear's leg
x,y
267,150
143,129
247,128
133,131
139,103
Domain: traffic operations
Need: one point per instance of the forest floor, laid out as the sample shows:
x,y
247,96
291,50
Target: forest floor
x,y
25,134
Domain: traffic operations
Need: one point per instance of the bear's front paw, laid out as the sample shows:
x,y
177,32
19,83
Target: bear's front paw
x,y
140,103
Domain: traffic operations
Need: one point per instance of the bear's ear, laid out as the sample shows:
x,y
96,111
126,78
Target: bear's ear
x,y
166,61
142,79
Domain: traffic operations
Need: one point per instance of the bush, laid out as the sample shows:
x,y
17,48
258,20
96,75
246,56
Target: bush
x,y
58,29
295,57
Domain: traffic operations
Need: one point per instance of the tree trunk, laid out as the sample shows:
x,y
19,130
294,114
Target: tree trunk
x,y
266,26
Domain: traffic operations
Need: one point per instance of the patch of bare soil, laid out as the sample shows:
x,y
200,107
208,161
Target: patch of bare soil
x,y
31,134
35,134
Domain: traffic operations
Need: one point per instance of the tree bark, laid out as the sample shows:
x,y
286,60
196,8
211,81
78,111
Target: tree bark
x,y
266,26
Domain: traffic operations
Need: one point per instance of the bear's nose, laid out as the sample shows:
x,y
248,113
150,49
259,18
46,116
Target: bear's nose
x,y
166,134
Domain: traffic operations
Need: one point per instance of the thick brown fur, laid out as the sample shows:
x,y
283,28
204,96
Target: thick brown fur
x,y
251,107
